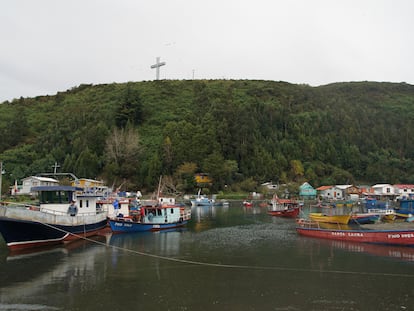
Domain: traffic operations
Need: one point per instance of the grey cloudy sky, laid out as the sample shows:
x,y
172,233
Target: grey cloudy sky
x,y
51,45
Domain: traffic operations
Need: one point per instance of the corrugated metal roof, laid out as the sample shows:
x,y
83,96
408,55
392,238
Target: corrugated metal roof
x,y
321,188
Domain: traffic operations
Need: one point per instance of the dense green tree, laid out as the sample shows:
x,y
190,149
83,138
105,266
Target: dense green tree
x,y
129,109
240,130
185,174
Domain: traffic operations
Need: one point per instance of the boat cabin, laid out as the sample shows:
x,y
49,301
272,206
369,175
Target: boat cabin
x,y
161,214
56,200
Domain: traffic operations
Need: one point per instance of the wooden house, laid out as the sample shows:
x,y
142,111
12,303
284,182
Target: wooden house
x,y
203,180
383,190
404,191
32,181
325,192
307,191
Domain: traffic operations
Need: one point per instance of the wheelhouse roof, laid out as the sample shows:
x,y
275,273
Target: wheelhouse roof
x,y
56,188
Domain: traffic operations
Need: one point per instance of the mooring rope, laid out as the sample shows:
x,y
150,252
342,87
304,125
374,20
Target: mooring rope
x,y
232,266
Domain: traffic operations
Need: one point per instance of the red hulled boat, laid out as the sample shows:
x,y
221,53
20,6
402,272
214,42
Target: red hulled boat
x,y
284,208
383,233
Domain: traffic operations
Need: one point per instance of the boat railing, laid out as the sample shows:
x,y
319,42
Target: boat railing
x,y
19,205
61,213
307,223
186,214
381,211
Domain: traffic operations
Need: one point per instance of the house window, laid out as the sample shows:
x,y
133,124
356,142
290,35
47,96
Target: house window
x,y
388,190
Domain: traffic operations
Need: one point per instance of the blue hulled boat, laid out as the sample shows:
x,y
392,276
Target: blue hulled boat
x,y
158,215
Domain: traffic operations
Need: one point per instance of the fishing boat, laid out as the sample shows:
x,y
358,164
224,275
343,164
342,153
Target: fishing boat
x,y
405,210
386,214
158,215
335,219
384,233
201,200
222,203
284,208
365,218
26,226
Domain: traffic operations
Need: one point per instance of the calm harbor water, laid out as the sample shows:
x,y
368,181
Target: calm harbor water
x,y
232,258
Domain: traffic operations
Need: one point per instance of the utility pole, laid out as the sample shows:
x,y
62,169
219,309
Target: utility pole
x,y
1,176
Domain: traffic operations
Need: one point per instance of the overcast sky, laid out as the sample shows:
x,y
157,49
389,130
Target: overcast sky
x,y
51,45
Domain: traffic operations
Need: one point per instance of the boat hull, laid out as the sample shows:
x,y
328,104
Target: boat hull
x,y
335,219
125,226
289,213
404,237
364,218
21,234
201,203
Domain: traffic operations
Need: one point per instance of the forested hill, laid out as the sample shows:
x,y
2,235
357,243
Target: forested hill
x,y
240,132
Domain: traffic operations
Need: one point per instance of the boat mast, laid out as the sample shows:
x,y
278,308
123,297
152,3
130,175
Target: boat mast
x,y
159,188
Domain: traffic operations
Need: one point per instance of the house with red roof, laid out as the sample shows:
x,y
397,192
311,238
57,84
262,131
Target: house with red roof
x,y
325,192
404,191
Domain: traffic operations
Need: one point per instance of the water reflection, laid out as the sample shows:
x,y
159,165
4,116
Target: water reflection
x,y
163,243
394,252
259,262
38,271
200,213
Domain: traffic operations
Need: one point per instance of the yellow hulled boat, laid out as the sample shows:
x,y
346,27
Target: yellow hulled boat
x,y
334,219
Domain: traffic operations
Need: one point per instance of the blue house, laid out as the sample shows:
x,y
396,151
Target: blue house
x,y
306,191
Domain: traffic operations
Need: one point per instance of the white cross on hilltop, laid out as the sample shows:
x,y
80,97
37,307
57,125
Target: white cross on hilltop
x,y
157,65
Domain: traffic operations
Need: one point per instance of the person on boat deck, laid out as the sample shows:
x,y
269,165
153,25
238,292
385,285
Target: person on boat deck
x,y
142,213
115,203
73,208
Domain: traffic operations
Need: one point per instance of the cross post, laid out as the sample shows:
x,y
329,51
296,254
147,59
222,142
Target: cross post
x,y
157,66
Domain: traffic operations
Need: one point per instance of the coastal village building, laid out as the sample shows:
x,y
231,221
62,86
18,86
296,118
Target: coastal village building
x,y
404,191
338,192
325,192
32,181
306,191
270,186
91,186
352,192
203,180
379,191
383,190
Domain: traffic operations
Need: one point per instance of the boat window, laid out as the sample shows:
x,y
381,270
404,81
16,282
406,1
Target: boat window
x,y
87,203
172,211
54,197
80,203
159,212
